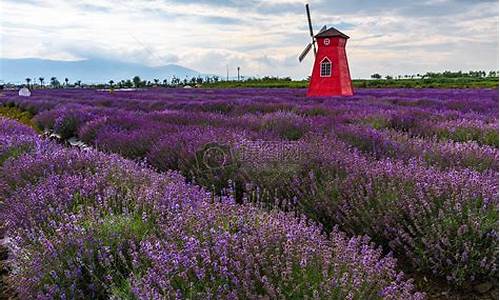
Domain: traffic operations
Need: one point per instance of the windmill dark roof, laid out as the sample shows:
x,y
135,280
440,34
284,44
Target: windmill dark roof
x,y
331,32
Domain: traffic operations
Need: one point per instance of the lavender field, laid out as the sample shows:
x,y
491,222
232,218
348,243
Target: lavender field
x,y
250,193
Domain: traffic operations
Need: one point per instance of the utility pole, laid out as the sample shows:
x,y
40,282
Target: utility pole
x,y
238,73
227,72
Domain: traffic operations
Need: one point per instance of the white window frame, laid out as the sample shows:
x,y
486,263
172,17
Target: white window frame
x,y
323,61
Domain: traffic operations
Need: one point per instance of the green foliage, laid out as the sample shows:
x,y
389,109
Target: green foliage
x,y
131,227
464,134
434,82
12,112
288,126
316,111
15,152
213,166
67,127
439,82
376,122
472,225
266,82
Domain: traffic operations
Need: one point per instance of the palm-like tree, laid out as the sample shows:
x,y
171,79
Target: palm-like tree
x,y
137,81
111,82
66,80
175,80
53,81
28,80
41,79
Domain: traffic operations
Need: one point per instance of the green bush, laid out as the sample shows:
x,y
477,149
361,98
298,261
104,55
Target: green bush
x,y
12,112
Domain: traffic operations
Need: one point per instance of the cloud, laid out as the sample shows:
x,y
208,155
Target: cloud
x,y
94,8
262,37
222,20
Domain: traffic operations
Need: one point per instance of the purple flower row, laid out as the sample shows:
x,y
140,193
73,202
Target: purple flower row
x,y
443,154
400,165
442,222
83,224
241,101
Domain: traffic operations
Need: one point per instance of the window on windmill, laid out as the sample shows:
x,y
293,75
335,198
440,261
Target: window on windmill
x,y
326,68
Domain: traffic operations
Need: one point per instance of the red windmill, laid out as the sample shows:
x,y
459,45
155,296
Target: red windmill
x,y
330,76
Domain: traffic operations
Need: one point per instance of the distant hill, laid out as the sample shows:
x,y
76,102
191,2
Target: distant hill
x,y
88,71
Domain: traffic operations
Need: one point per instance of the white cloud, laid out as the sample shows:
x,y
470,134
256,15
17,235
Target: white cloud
x,y
262,37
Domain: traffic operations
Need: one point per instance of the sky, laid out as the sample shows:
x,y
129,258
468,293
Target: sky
x,y
389,37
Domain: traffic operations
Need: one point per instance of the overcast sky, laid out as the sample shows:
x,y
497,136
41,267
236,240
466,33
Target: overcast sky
x,y
263,37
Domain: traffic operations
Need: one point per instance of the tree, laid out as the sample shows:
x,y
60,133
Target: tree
x,y
78,83
388,77
66,80
376,76
156,81
137,81
111,82
41,79
54,82
175,81
492,74
165,82
28,80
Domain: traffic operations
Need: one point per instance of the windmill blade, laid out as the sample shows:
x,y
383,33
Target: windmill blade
x,y
305,52
309,20
322,29
310,26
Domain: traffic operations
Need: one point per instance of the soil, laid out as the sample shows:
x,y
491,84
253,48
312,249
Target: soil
x,y
439,290
3,269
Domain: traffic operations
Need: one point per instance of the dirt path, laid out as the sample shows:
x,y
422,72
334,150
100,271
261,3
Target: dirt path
x,y
3,267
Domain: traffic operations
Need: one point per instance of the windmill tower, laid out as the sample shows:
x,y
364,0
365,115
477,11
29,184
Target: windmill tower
x,y
330,75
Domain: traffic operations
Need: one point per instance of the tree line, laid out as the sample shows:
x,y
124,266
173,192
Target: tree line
x,y
135,82
440,75
440,78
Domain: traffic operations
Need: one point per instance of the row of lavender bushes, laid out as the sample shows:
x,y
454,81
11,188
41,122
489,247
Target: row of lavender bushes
x,y
83,224
461,102
69,121
439,184
462,115
370,165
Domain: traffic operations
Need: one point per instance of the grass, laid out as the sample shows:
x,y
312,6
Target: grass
x,y
15,113
465,82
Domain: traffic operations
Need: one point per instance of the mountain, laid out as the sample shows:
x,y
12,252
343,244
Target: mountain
x,y
88,71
